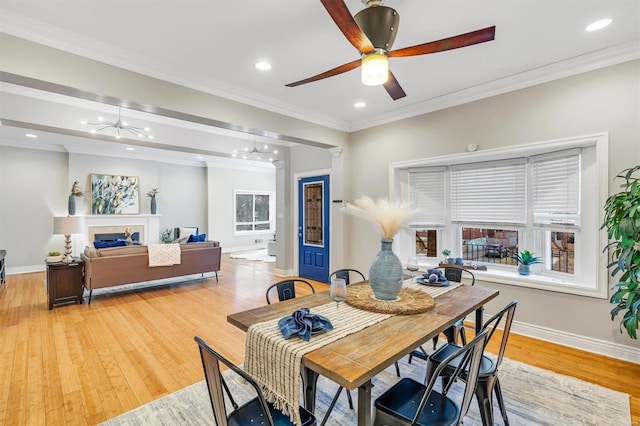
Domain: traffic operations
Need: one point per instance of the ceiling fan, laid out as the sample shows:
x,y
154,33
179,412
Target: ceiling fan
x,y
372,32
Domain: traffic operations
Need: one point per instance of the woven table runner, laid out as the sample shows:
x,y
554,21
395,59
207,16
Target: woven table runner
x,y
275,362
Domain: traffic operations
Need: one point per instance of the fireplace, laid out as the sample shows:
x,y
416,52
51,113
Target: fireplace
x,y
147,226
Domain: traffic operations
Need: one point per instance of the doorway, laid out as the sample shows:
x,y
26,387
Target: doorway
x,y
313,228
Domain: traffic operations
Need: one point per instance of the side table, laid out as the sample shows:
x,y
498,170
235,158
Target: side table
x,y
65,282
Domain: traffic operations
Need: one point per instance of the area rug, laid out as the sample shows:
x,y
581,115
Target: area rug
x,y
260,255
533,396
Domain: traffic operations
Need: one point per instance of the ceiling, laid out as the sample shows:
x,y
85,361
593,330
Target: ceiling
x,y
213,46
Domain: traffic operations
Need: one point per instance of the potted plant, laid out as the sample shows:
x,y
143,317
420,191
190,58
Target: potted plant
x,y
75,192
446,253
525,259
152,194
54,256
622,220
165,236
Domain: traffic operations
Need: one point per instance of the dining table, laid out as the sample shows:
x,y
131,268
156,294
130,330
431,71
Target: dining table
x,y
352,361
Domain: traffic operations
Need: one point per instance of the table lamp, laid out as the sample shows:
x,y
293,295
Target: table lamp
x,y
67,225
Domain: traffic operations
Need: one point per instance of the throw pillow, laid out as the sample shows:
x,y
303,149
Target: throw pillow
x,y
197,238
105,244
185,232
182,240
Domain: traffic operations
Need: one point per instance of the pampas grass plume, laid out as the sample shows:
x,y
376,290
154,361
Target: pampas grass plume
x,y
387,216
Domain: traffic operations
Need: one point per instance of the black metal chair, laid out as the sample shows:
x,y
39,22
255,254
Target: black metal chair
x,y
286,289
488,382
454,274
348,274
256,411
411,403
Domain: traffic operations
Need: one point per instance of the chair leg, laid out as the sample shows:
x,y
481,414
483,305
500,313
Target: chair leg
x,y
397,370
484,395
463,336
451,335
503,409
349,399
333,403
435,341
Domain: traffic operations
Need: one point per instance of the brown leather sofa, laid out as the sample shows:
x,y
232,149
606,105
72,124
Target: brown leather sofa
x,y
125,265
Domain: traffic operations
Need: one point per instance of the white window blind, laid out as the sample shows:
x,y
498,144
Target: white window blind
x,y
427,193
489,192
556,189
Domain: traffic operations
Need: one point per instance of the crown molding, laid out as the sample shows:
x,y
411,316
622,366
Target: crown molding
x,y
21,26
589,62
27,28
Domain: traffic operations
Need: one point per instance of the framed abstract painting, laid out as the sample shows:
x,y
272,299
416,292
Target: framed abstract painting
x,y
113,194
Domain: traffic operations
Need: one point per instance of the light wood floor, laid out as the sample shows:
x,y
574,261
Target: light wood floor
x,y
83,364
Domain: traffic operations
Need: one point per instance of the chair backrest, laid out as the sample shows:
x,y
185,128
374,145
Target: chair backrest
x,y
455,274
286,289
347,274
466,359
215,383
493,324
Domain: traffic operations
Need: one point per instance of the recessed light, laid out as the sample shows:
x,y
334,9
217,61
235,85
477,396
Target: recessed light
x,y
129,148
263,66
199,157
598,25
359,104
31,135
275,151
83,122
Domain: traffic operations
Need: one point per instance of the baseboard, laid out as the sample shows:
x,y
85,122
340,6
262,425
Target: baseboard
x,y
574,341
29,269
283,272
244,248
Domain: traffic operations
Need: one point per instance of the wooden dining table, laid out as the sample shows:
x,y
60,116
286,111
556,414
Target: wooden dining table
x,y
355,359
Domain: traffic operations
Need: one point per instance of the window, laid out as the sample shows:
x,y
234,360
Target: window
x,y
253,212
493,205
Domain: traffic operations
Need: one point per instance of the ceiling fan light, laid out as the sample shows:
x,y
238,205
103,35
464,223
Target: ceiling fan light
x,y
375,69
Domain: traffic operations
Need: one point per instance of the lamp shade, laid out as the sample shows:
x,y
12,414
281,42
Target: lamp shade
x,y
67,225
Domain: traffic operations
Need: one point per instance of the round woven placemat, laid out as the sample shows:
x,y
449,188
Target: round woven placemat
x,y
410,301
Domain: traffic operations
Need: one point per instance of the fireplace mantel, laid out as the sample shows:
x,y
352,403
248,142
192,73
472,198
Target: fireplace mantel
x,y
150,224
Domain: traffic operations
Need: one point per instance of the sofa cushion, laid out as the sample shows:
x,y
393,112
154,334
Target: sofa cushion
x,y
107,244
185,232
198,245
122,251
91,252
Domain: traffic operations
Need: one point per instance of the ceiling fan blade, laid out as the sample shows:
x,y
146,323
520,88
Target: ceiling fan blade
x,y
393,88
335,71
455,42
343,19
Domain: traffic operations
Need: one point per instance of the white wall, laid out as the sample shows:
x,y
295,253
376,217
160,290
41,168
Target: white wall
x,y
607,100
222,182
182,197
33,189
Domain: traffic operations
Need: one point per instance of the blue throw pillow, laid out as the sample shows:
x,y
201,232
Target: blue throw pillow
x,y
197,238
105,244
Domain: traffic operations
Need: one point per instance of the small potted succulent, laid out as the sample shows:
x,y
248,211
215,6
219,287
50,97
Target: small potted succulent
x,y
54,256
446,253
525,259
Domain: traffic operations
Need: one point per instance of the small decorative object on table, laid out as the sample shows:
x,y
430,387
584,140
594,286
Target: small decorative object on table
x,y
304,324
75,192
385,274
446,253
54,256
127,234
525,259
152,194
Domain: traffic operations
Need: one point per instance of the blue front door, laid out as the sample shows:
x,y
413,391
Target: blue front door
x,y
313,228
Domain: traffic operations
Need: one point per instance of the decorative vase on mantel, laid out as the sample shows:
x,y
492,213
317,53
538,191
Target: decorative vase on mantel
x,y
154,206
385,274
72,205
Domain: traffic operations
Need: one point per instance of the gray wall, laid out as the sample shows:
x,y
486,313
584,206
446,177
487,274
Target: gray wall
x,y
33,189
606,100
182,200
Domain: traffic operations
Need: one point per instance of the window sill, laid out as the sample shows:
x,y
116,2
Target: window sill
x,y
540,282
